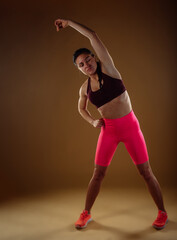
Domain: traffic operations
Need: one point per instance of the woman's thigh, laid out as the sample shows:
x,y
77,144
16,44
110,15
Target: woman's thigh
x,y
136,146
106,147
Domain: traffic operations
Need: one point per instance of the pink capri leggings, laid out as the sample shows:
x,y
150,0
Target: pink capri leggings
x,y
127,130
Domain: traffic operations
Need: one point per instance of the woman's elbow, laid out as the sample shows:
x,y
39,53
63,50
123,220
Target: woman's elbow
x,y
80,110
93,35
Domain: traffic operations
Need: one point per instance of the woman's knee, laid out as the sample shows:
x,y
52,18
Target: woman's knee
x,y
145,171
99,173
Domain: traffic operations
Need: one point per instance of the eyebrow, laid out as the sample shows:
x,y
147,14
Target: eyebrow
x,y
84,59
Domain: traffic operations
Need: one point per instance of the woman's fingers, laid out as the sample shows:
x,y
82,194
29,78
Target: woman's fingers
x,y
57,28
98,123
58,24
61,23
101,122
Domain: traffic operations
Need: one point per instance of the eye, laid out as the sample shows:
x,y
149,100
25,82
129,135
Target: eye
x,y
88,60
81,65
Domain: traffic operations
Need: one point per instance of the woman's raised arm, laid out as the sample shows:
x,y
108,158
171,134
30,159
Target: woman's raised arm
x,y
95,41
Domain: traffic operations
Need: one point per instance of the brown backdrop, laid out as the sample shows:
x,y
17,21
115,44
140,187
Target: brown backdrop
x,y
45,144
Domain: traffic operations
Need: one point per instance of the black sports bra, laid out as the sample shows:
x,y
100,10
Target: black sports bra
x,y
111,88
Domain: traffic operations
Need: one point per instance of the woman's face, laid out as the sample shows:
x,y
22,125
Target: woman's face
x,y
86,64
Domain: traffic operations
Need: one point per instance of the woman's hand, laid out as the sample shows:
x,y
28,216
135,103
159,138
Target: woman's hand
x,y
61,23
98,123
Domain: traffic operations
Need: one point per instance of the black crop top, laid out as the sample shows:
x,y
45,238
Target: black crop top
x,y
111,88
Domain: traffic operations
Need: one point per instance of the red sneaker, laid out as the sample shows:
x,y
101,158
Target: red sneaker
x,y
83,220
161,220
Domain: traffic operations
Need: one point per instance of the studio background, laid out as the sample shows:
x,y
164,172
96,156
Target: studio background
x,y
45,143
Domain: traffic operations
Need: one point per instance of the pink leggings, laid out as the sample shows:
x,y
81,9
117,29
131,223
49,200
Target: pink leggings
x,y
127,130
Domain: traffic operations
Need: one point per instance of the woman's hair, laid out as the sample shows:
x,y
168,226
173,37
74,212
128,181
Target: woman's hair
x,y
99,72
79,52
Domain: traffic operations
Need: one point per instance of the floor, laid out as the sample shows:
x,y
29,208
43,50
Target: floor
x,y
123,214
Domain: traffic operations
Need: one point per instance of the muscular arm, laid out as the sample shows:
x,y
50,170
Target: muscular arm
x,y
82,108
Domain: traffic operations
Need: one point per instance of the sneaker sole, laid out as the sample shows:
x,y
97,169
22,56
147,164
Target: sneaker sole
x,y
79,227
159,228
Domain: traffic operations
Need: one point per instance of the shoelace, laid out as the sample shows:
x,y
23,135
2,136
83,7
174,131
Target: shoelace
x,y
161,217
83,215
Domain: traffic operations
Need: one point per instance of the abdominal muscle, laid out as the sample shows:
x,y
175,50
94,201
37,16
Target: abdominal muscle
x,y
116,108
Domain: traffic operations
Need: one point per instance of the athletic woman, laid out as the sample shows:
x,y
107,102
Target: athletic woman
x,y
106,90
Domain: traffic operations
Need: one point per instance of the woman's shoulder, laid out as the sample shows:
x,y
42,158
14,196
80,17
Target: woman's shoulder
x,y
83,88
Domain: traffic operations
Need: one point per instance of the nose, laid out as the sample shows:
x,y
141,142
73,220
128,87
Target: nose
x,y
87,64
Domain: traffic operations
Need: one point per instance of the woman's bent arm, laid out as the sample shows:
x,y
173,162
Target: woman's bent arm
x,y
82,108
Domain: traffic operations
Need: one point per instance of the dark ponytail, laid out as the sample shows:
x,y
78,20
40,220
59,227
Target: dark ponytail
x,y
99,74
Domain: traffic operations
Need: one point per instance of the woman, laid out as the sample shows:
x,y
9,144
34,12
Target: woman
x,y
105,89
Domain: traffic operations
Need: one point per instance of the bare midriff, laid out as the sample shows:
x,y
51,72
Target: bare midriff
x,y
116,108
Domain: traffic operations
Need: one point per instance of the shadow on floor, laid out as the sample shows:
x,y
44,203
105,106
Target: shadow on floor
x,y
119,233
